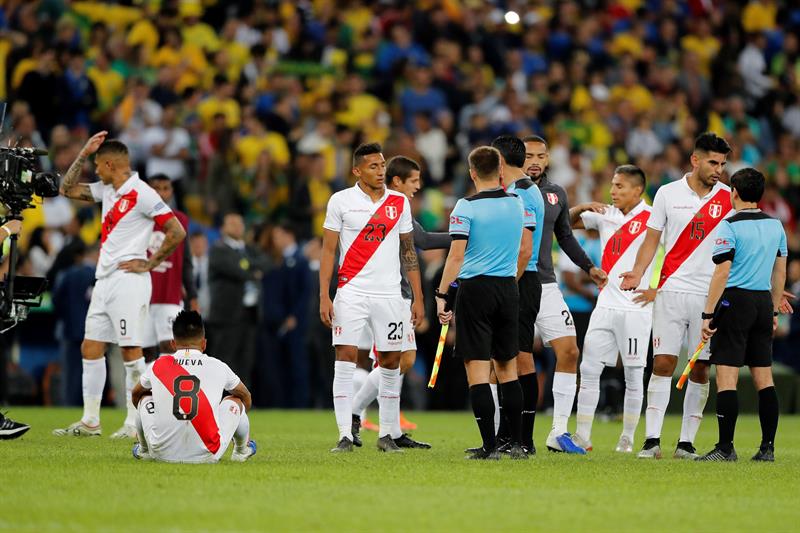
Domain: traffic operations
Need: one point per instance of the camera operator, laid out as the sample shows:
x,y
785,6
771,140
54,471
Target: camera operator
x,y
8,428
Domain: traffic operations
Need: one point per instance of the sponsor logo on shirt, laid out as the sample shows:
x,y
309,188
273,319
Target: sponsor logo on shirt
x,y
722,242
455,220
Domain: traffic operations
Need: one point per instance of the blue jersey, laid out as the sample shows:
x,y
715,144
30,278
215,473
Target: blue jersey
x,y
533,202
751,240
492,222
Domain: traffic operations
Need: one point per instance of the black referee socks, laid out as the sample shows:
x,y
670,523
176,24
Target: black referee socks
x,y
530,398
480,397
768,415
727,412
511,400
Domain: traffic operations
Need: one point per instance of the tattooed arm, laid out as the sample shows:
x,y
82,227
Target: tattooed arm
x,y
410,263
69,185
174,234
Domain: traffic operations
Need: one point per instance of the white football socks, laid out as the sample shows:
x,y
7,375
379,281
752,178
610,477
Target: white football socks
x,y
143,446
343,397
396,431
94,379
496,398
242,434
588,396
693,404
564,386
133,371
634,395
359,378
367,394
388,399
657,402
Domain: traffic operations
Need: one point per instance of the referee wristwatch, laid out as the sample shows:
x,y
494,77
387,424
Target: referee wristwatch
x,y
441,295
707,316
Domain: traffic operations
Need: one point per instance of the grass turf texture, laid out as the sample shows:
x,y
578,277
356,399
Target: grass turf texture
x,y
91,484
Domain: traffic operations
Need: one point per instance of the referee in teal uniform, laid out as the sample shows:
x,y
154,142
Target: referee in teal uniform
x,y
750,254
487,231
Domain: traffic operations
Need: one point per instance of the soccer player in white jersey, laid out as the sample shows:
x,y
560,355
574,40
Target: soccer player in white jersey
x,y
121,295
373,228
685,214
621,321
180,417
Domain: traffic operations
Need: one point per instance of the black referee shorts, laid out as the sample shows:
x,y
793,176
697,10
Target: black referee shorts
x,y
487,315
530,297
744,333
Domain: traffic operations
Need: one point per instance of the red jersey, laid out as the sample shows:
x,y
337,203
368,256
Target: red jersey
x,y
167,278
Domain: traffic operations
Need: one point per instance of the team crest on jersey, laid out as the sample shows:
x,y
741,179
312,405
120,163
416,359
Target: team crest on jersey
x,y
635,227
552,198
123,205
715,210
337,330
391,212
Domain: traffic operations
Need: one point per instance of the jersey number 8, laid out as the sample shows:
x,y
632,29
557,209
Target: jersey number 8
x,y
183,393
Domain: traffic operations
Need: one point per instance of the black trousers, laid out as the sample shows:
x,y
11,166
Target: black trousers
x,y
235,344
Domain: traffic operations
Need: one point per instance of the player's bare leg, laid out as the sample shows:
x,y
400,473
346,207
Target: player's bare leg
x,y
133,359
388,400
657,401
94,380
564,388
344,367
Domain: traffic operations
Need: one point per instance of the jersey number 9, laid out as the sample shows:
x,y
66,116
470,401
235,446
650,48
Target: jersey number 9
x,y
184,393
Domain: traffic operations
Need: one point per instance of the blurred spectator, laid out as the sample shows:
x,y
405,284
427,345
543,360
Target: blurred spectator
x,y
420,97
71,296
198,246
167,146
431,142
234,270
41,252
284,358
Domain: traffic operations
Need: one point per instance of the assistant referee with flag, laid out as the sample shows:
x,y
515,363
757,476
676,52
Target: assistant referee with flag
x,y
750,254
487,232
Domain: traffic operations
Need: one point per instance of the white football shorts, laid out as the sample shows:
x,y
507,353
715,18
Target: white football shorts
x,y
356,316
159,326
409,340
677,319
617,331
554,319
118,311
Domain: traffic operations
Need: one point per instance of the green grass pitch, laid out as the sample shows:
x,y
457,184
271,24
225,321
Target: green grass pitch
x,y
294,483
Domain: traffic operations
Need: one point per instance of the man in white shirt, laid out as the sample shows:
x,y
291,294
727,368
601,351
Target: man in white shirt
x,y
118,309
179,418
621,321
372,226
686,213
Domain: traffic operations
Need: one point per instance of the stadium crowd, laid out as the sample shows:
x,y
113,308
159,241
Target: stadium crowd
x,y
254,107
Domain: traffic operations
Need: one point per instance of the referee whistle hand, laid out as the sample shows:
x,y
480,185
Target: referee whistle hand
x,y
630,280
326,313
706,331
599,276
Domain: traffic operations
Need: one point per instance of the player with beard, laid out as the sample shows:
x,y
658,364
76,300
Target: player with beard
x,y
554,320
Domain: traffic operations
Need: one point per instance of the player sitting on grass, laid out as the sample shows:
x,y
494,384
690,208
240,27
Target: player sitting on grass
x,y
179,420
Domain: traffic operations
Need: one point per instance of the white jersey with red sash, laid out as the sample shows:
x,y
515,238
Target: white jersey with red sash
x,y
689,224
369,240
128,216
621,236
187,387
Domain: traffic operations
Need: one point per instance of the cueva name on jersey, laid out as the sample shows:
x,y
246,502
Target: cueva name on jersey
x,y
189,362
